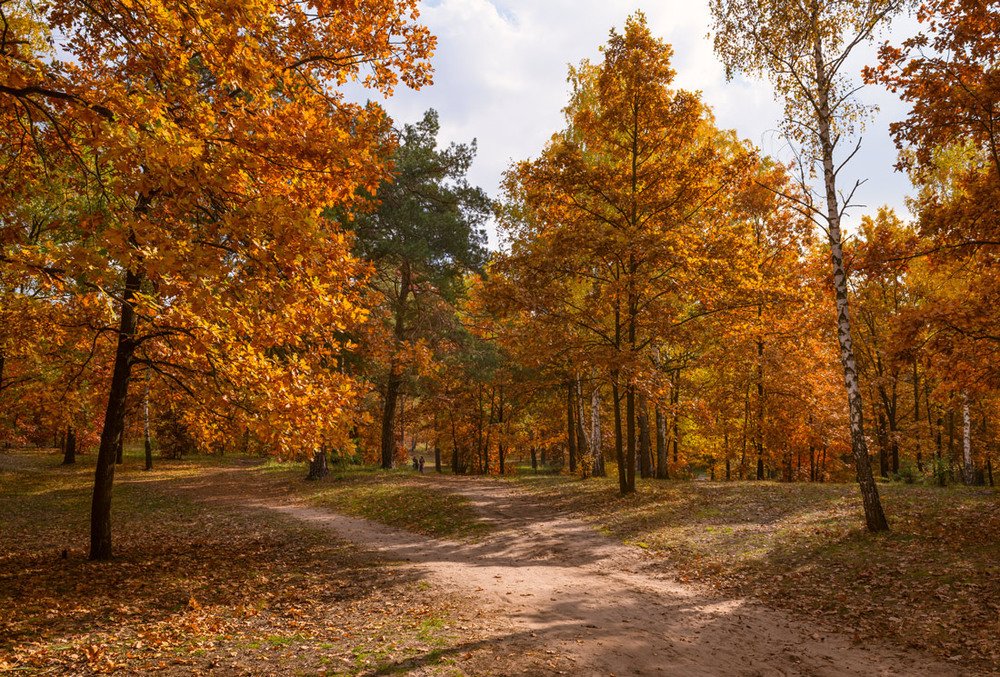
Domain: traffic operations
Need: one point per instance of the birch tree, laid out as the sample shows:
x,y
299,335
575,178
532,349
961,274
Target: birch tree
x,y
802,47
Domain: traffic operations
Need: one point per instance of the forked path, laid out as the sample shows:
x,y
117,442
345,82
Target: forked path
x,y
585,598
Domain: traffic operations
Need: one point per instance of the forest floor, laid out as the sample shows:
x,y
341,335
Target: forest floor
x,y
231,567
932,583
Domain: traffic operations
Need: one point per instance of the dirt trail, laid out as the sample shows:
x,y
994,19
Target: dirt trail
x,y
585,599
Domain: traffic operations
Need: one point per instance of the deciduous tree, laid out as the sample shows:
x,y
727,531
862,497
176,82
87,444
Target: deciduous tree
x,y
618,214
197,145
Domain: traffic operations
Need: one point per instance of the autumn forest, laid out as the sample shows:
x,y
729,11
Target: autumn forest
x,y
210,249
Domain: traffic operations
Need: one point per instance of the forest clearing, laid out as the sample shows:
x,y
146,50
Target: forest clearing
x,y
252,573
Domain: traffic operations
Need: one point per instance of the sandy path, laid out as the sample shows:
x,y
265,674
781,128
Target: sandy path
x,y
584,599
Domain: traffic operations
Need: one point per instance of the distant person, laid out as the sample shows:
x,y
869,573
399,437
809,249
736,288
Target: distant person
x,y
421,465
416,463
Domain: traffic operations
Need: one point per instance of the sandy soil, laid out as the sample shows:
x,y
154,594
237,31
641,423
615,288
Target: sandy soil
x,y
594,606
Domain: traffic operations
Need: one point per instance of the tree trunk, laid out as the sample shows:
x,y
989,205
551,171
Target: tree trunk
x,y
501,448
675,396
318,468
725,450
891,413
645,451
967,474
584,440
454,446
630,438
889,440
951,444
395,373
875,518
940,431
939,461
743,435
483,437
479,426
883,442
662,471
595,432
812,462
389,417
114,423
916,415
676,437
759,436
437,447
930,417
69,447
415,441
619,449
148,447
570,428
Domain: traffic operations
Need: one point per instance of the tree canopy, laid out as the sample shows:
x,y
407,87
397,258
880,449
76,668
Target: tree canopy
x,y
191,197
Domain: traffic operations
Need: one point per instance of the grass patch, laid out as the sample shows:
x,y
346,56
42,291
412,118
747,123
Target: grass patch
x,y
199,586
396,498
933,582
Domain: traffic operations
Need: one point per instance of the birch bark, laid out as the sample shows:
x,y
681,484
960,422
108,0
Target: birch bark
x,y
966,441
874,515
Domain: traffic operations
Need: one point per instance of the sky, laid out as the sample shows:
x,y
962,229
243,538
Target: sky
x,y
500,73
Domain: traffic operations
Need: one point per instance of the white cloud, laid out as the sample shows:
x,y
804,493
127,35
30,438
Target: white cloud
x,y
500,77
